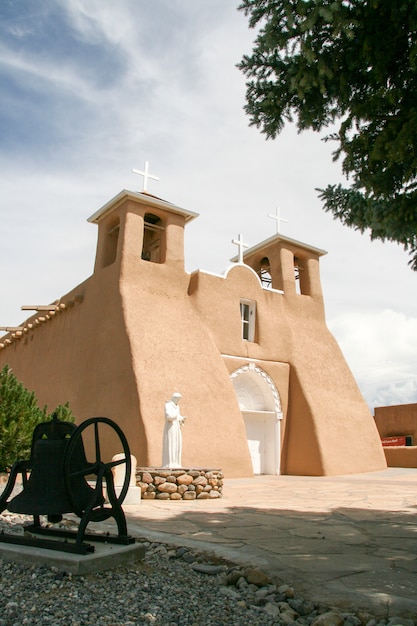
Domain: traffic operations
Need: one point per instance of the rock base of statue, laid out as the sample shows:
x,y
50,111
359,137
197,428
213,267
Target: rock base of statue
x,y
161,483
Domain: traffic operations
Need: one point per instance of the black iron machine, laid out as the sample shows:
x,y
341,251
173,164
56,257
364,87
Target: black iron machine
x,y
59,478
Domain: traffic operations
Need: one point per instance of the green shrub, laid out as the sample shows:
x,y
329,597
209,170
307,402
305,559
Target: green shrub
x,y
19,414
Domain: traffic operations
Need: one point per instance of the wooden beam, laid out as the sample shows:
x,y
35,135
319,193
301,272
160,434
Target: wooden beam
x,y
11,329
39,307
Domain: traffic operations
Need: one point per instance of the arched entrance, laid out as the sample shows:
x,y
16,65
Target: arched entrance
x,y
260,404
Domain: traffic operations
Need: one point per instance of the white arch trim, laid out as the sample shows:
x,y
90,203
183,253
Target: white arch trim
x,y
225,274
251,367
250,269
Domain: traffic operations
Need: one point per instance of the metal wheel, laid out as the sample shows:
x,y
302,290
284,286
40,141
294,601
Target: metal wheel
x,y
77,467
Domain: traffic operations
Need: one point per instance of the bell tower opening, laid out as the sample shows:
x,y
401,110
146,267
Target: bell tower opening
x,y
298,269
153,248
264,273
111,241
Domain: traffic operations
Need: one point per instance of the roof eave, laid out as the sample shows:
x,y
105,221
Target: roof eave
x,y
141,198
281,238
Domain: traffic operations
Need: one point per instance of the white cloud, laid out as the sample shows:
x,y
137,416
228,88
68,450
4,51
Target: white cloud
x,y
381,349
91,89
58,77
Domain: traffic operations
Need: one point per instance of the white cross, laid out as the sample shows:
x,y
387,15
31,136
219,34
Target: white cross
x,y
145,175
241,245
278,218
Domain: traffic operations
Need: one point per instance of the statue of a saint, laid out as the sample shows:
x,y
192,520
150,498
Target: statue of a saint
x,y
172,441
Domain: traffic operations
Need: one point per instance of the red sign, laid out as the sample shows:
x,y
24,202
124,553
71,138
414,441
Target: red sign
x,y
402,440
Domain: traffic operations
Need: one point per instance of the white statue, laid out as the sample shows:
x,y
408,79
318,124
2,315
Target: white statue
x,y
172,441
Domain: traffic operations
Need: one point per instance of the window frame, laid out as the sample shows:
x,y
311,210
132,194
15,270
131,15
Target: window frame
x,y
247,319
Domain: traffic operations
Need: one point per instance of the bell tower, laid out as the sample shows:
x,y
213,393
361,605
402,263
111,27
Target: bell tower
x,y
140,228
287,265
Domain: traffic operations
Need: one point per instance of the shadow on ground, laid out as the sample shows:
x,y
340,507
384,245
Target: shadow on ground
x,y
348,557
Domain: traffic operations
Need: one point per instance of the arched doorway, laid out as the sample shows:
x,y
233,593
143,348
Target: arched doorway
x,y
260,404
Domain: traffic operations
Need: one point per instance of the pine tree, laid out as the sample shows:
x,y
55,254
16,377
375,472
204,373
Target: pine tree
x,y
352,63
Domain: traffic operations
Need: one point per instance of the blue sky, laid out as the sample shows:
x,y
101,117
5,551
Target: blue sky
x,y
90,89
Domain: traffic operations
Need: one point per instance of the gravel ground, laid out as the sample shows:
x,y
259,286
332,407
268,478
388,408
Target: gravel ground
x,y
171,587
159,592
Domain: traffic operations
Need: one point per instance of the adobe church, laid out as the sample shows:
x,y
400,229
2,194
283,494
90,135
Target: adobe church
x,y
264,385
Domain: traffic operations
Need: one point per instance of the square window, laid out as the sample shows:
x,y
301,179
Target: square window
x,y
247,316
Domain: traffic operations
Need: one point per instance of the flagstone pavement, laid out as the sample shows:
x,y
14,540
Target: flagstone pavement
x,y
347,541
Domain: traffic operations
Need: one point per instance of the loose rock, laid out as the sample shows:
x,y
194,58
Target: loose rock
x,y
171,587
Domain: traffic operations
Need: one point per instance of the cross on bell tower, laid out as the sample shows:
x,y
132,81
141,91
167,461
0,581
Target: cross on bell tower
x,y
277,217
146,176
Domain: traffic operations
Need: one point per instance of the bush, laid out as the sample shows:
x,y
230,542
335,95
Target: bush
x,y
19,414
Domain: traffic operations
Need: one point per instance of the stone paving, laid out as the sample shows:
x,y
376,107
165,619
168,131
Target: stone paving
x,y
348,541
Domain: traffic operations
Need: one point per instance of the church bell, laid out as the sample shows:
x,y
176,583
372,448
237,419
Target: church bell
x,y
45,492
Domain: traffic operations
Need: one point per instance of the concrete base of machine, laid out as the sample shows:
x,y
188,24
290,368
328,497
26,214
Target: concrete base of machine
x,y
105,556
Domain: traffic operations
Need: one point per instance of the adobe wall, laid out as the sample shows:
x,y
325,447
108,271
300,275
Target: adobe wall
x,y
328,428
82,355
401,456
172,351
132,341
136,331
325,396
397,420
122,343
400,419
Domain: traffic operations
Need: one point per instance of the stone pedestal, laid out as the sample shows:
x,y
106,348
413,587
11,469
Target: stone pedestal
x,y
133,495
179,484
